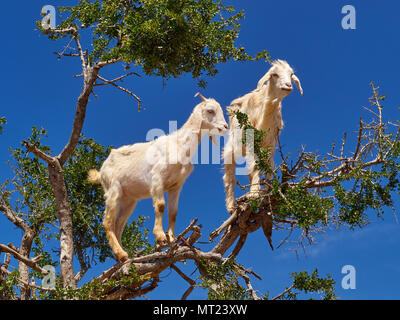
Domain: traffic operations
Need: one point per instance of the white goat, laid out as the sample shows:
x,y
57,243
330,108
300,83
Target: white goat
x,y
263,107
145,170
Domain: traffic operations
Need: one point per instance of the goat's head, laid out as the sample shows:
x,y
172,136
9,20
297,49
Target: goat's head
x,y
212,117
280,77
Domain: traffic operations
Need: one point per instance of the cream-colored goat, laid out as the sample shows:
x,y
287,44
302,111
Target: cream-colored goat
x,y
263,107
147,170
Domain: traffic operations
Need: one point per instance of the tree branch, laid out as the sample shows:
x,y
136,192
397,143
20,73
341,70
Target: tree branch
x,y
122,89
13,217
187,279
40,154
30,263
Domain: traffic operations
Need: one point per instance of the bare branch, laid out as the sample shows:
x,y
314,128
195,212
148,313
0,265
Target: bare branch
x,y
13,217
360,131
108,62
187,279
30,263
246,278
40,154
80,113
70,30
117,79
122,89
238,247
283,293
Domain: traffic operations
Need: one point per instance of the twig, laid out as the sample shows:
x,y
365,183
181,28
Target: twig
x,y
284,292
247,280
239,246
107,63
124,90
358,140
343,144
187,279
117,79
28,262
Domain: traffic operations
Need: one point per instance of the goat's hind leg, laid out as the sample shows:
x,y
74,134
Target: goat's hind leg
x,y
173,199
126,208
157,193
110,217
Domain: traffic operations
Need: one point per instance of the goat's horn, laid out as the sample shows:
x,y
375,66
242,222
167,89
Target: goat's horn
x,y
201,96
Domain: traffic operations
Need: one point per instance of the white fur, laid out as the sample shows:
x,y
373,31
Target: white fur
x,y
147,170
263,107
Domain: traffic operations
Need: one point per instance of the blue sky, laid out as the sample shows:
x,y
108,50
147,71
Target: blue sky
x,y
335,67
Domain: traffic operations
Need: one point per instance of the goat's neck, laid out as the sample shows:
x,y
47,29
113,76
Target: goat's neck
x,y
271,105
271,111
189,137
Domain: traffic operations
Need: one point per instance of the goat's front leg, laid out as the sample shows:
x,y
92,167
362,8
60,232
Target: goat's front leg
x,y
157,193
229,177
229,183
254,176
173,199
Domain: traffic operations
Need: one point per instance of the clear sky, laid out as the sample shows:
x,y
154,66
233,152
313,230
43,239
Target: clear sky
x,y
335,67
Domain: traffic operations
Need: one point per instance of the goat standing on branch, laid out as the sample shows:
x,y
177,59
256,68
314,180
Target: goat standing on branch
x,y
263,108
145,170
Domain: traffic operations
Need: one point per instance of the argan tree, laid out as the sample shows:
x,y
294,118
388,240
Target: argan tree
x,y
60,213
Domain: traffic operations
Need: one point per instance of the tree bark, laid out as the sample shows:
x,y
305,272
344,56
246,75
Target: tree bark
x,y
57,181
25,250
65,218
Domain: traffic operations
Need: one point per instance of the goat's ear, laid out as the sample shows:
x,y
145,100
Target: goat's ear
x,y
298,83
263,80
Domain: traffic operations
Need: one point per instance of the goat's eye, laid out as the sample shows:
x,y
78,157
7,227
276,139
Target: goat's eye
x,y
274,74
211,111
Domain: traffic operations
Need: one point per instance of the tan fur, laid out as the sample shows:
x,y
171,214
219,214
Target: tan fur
x,y
147,170
94,176
263,107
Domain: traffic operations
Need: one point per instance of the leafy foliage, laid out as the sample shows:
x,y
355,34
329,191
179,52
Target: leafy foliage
x,y
31,195
256,138
307,208
222,281
317,191
2,121
8,285
163,37
309,284
35,200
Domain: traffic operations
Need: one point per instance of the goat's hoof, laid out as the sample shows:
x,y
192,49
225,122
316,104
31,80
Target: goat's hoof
x,y
161,245
161,241
171,238
161,238
230,209
122,257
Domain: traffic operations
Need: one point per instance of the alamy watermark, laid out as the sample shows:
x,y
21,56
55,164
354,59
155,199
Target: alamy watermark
x,y
349,280
185,147
49,281
349,20
49,17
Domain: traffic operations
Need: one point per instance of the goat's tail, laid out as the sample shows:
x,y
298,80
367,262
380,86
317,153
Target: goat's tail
x,y
93,176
